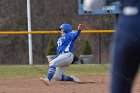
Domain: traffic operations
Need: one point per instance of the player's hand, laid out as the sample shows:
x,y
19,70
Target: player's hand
x,y
80,26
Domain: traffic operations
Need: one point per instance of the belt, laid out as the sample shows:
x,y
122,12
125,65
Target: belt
x,y
65,51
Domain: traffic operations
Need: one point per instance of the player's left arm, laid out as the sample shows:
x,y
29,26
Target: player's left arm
x,y
78,31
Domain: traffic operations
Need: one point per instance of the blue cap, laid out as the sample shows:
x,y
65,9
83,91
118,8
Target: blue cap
x,y
67,28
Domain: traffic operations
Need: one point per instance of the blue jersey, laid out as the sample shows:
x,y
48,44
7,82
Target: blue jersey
x,y
66,42
133,3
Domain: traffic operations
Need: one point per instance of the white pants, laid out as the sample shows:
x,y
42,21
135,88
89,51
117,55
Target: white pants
x,y
61,63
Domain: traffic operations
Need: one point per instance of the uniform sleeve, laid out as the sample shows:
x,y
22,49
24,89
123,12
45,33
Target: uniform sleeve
x,y
75,34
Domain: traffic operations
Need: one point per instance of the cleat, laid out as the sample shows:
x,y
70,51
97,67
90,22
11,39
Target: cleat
x,y
45,80
75,79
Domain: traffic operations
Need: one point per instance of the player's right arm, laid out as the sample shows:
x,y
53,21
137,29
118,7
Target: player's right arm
x,y
75,34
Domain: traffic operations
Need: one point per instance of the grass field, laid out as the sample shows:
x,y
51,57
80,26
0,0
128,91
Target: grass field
x,y
27,71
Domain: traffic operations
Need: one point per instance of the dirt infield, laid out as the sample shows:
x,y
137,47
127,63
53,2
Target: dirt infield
x,y
91,84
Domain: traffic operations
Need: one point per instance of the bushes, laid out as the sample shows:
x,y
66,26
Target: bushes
x,y
51,49
86,49
86,56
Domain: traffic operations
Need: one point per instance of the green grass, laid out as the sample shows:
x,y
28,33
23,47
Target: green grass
x,y
89,69
27,71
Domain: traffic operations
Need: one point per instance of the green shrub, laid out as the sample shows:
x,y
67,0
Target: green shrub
x,y
86,49
51,49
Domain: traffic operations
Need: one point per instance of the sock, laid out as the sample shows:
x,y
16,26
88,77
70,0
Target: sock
x,y
66,78
51,72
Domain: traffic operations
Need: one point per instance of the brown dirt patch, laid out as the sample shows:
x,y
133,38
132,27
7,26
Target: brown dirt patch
x,y
91,84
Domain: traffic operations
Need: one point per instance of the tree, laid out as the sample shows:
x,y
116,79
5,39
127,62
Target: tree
x,y
86,49
86,56
51,49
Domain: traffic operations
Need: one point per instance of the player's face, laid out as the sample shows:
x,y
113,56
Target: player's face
x,y
61,31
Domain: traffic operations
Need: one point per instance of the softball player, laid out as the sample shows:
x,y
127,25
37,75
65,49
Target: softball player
x,y
64,56
126,48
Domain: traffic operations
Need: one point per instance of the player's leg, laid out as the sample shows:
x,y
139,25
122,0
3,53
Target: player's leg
x,y
62,60
66,59
60,76
123,72
125,58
